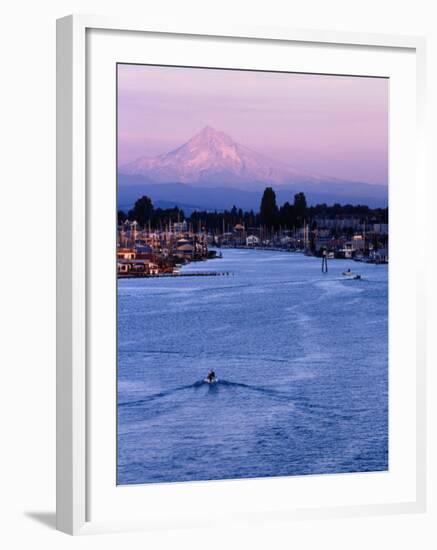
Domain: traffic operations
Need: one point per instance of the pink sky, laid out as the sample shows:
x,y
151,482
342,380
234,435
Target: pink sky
x,y
328,125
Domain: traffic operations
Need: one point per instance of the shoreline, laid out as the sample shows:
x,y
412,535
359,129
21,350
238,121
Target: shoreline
x,y
302,252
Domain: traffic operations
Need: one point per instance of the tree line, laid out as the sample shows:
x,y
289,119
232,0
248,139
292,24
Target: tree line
x,y
270,215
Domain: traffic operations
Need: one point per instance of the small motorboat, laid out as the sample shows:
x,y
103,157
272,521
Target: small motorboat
x,y
351,275
211,378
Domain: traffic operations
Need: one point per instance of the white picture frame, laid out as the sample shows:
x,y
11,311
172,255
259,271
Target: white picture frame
x,y
73,211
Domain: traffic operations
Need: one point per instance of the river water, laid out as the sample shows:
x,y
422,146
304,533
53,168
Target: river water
x,y
302,362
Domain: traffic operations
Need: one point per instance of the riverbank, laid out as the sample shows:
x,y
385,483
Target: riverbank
x,y
356,256
175,274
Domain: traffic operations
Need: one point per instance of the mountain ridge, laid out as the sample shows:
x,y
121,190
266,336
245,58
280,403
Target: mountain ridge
x,y
211,157
212,171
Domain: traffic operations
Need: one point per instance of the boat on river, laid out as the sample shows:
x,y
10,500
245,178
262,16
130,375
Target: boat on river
x,y
351,274
211,378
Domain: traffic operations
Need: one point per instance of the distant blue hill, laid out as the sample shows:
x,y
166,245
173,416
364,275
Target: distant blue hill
x,y
190,198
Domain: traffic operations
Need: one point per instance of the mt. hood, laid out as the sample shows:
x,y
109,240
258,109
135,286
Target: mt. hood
x,y
212,158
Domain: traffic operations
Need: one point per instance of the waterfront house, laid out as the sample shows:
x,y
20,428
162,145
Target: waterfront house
x,y
153,268
347,251
123,268
252,240
126,254
137,267
185,250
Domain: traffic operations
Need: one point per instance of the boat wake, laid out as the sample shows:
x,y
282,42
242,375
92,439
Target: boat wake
x,y
225,384
259,389
161,394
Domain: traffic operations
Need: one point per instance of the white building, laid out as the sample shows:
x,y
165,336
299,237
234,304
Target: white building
x,y
252,240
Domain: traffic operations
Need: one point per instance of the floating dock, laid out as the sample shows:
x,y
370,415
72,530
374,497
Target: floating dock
x,y
164,275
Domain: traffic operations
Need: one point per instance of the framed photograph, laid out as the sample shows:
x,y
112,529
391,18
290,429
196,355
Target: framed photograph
x,y
240,317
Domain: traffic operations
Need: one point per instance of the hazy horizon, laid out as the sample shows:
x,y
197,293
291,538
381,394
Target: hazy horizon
x,y
335,126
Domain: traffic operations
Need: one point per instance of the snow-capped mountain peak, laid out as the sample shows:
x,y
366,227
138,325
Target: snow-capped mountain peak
x,y
211,157
208,148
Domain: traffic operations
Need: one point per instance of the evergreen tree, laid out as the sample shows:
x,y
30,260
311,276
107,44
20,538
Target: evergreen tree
x,y
269,208
142,211
300,208
286,215
121,217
